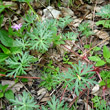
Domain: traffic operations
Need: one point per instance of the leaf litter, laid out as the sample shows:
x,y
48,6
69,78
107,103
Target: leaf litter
x,y
79,14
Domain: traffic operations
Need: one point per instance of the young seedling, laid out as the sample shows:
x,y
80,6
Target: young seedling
x,y
24,102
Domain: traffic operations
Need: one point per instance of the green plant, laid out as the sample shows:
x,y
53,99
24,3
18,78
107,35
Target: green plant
x,y
25,0
40,38
105,75
70,36
8,94
105,60
18,63
22,44
28,2
85,29
24,102
94,50
1,20
105,23
29,18
7,46
3,6
71,2
45,33
100,104
104,13
48,75
66,59
54,104
78,78
47,81
64,21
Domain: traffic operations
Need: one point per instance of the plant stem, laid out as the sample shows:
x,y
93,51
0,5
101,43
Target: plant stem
x,y
33,10
63,93
27,77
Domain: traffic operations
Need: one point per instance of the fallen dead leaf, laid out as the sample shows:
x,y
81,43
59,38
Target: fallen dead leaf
x,y
89,16
14,86
97,9
50,12
87,106
100,1
66,47
101,34
43,95
76,22
98,91
13,5
95,89
66,11
30,82
45,98
41,91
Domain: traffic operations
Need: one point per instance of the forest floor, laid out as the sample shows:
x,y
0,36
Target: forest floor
x,y
57,51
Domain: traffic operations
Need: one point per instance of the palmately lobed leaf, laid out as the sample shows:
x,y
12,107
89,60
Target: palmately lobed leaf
x,y
24,102
78,77
105,11
18,63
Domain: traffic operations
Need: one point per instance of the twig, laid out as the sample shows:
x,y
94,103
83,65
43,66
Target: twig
x,y
27,77
33,11
94,14
72,51
96,46
55,89
63,93
87,98
81,93
47,9
26,88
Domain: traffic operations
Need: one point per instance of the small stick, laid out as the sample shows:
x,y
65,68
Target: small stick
x,y
63,93
81,93
27,77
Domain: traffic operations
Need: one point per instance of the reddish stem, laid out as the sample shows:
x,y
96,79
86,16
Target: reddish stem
x,y
72,51
27,77
87,98
81,93
63,93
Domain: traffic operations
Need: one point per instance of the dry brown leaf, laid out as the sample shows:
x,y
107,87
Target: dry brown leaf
x,y
95,89
14,86
54,55
30,82
97,9
50,12
45,98
98,91
87,106
89,16
76,22
43,95
66,11
41,91
100,1
101,34
66,47
13,6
